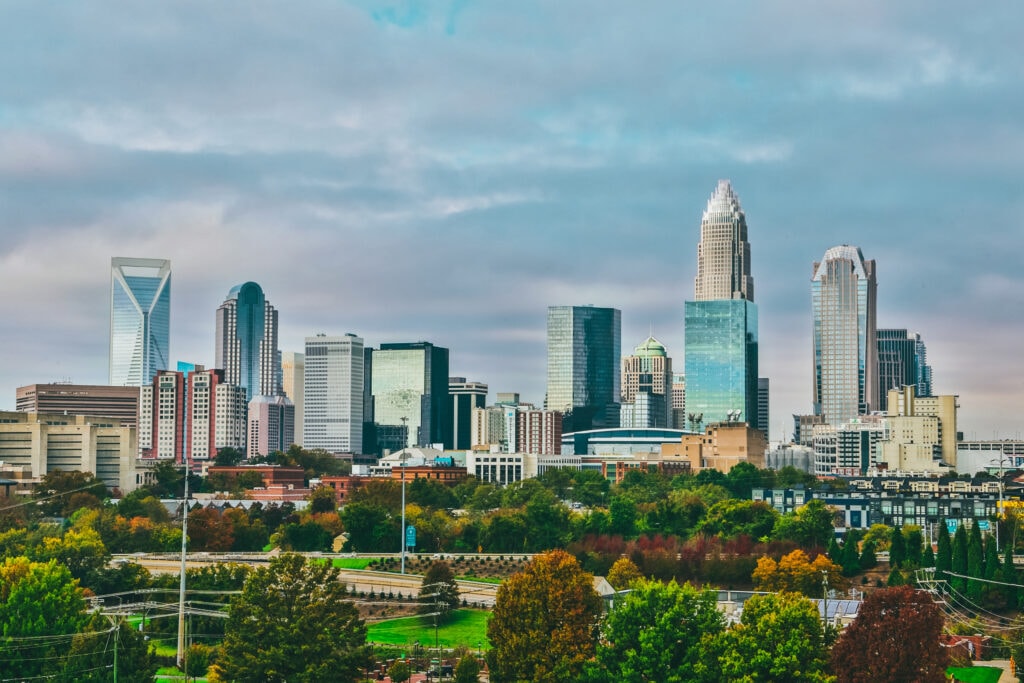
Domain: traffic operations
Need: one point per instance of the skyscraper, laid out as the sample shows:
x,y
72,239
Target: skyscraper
x,y
333,394
721,353
410,391
292,369
464,397
246,343
584,345
140,319
843,292
648,371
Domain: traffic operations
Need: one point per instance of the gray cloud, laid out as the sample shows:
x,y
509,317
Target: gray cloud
x,y
446,171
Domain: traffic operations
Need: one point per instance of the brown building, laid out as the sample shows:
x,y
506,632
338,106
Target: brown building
x,y
445,475
539,432
722,445
344,486
120,403
615,468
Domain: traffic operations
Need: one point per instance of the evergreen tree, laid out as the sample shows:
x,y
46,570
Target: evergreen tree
x,y
959,565
1009,575
868,560
835,553
928,556
993,593
914,542
944,556
897,548
850,558
895,578
975,563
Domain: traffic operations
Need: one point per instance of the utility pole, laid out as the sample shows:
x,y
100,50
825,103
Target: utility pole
x,y
181,589
117,634
824,604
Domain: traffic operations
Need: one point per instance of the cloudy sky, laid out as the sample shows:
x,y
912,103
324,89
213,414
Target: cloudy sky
x,y
444,171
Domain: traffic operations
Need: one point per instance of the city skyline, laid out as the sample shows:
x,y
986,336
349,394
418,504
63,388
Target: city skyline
x,y
446,173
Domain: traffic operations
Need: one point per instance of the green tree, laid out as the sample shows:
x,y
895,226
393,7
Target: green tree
x,y
944,554
60,493
897,548
400,671
227,457
975,562
544,624
895,637
779,638
38,602
623,516
294,622
809,526
439,593
850,558
928,556
868,559
467,670
91,658
959,558
322,499
654,633
1009,576
731,518
369,528
913,542
743,477
548,521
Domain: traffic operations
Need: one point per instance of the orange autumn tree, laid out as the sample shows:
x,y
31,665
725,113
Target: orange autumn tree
x,y
796,573
544,625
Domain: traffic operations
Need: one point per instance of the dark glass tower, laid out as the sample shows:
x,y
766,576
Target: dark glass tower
x,y
410,392
246,343
584,347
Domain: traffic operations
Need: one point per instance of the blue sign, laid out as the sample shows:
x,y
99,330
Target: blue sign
x,y
410,536
952,524
983,524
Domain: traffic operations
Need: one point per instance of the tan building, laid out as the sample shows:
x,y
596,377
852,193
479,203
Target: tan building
x,y
121,403
649,371
905,403
45,443
722,445
293,368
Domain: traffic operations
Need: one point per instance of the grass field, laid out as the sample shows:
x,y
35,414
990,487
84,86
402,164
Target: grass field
x,y
467,627
975,674
482,579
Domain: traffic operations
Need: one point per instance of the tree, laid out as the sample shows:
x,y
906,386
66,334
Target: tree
x,y
944,554
59,492
623,516
294,622
38,601
796,573
779,638
975,562
655,632
913,542
897,548
91,654
850,558
959,558
895,637
400,671
868,559
743,477
322,499
439,593
467,670
809,526
731,518
544,624
623,573
227,457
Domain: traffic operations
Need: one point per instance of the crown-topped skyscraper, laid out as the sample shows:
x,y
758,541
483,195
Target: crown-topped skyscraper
x,y
720,357
723,254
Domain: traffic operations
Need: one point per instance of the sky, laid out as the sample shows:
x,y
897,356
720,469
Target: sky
x,y
445,171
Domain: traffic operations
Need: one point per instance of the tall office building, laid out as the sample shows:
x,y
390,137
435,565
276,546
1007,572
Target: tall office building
x,y
464,396
647,372
583,380
678,401
763,404
333,394
246,343
410,392
119,403
293,365
723,254
140,319
271,425
902,361
843,292
721,353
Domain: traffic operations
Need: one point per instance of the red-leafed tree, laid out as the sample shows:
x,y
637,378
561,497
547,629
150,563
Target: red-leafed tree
x,y
894,638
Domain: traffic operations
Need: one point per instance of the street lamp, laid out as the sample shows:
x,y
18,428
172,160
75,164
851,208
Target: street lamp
x,y
999,510
405,454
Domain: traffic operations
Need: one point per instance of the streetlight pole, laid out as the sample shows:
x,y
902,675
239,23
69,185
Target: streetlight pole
x,y
824,603
181,589
405,454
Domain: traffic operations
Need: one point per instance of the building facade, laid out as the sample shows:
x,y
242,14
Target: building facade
x,y
140,319
465,397
843,294
902,361
271,425
246,341
583,380
410,391
539,432
648,372
722,446
723,254
763,404
333,393
42,443
217,415
293,367
120,403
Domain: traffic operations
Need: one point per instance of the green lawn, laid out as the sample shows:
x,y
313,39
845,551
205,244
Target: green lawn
x,y
975,674
482,579
352,562
467,627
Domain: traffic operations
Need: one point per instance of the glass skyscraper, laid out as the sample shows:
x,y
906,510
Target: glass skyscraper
x,y
140,319
246,342
720,354
843,292
333,394
410,391
584,348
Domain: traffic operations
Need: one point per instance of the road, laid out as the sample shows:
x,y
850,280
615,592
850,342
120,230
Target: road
x,y
357,580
